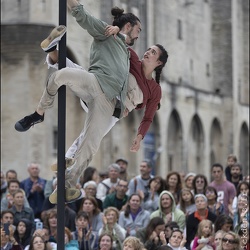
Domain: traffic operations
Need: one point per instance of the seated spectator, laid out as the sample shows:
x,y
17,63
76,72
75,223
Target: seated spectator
x,y
217,238
86,238
194,219
50,221
8,241
4,184
241,216
110,225
44,233
23,232
151,197
203,238
34,189
70,243
230,240
150,236
214,206
108,185
133,217
186,202
188,180
174,184
37,243
199,184
7,199
168,211
90,189
7,216
132,243
89,206
169,228
105,242
119,198
19,210
177,241
223,222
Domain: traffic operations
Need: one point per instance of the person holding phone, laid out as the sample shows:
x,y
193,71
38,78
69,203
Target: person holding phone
x,y
8,242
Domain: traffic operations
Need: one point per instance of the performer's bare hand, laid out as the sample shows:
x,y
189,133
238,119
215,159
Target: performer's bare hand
x,y
112,30
136,143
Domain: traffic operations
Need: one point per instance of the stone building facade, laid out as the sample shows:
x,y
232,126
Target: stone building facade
x,y
204,113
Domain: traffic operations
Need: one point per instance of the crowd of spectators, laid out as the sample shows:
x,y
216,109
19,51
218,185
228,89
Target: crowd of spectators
x,y
118,211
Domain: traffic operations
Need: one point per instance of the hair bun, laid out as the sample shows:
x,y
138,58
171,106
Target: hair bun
x,y
116,12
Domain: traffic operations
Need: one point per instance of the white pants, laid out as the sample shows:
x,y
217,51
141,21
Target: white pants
x,y
99,119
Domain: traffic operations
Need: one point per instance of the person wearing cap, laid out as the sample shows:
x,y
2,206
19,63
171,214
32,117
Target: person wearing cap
x,y
108,185
194,219
123,163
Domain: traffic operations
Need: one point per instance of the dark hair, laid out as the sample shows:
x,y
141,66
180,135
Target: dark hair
x,y
194,181
88,174
212,189
218,165
162,183
237,165
163,58
121,18
153,223
240,184
25,240
172,225
179,183
221,220
6,212
32,241
181,201
82,214
13,181
127,209
11,171
105,234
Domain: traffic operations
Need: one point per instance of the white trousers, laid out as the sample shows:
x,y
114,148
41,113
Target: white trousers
x,y
99,119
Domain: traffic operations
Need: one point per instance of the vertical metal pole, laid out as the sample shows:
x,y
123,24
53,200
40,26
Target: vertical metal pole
x,y
61,134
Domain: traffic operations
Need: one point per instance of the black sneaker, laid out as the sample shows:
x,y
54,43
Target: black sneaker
x,y
28,121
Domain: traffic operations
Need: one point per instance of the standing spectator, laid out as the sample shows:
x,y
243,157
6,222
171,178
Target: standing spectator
x,y
214,206
186,204
90,206
90,174
194,219
119,198
199,184
87,239
140,182
108,185
134,217
7,200
110,225
231,159
123,163
23,232
34,189
225,189
188,180
174,184
168,211
150,236
236,174
19,210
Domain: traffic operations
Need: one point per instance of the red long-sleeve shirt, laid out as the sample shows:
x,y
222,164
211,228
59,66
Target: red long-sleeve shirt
x,y
151,93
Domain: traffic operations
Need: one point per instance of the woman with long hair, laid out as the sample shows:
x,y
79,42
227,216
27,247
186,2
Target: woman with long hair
x,y
151,235
105,242
229,241
174,184
134,217
50,222
186,202
37,243
199,183
89,205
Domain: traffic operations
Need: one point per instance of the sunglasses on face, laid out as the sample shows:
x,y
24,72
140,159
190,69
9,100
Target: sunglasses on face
x,y
229,241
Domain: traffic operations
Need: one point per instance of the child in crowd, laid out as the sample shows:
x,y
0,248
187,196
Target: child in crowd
x,y
187,204
204,239
214,206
